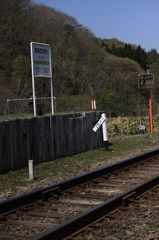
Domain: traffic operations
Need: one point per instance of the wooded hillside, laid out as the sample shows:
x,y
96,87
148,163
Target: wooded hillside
x,y
80,62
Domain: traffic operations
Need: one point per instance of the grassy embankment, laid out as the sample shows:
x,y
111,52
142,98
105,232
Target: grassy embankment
x,y
121,147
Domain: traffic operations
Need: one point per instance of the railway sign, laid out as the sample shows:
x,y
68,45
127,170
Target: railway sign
x,y
99,123
102,121
41,67
146,80
41,59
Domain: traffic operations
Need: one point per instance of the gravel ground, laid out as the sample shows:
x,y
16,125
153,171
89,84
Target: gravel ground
x,y
134,224
138,221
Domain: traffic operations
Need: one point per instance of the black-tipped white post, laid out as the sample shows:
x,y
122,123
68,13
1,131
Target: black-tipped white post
x,y
105,132
103,121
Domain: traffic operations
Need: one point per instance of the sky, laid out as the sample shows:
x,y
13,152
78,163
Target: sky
x,y
130,21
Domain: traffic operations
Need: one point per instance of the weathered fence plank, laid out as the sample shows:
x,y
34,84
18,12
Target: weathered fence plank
x,y
46,138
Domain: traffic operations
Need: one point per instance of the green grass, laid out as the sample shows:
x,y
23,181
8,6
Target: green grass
x,y
104,199
120,148
156,225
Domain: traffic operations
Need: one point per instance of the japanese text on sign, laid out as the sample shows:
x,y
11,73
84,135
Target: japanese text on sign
x,y
41,60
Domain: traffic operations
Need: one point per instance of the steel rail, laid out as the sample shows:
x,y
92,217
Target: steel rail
x,y
42,193
79,222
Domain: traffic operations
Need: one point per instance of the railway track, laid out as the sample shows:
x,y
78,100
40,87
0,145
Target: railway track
x,y
57,211
137,220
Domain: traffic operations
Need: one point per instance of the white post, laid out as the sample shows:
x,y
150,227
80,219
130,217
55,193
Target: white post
x,y
51,86
33,83
31,169
105,132
52,98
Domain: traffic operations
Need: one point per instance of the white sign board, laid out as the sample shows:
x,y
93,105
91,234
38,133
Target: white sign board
x,y
41,67
99,123
41,60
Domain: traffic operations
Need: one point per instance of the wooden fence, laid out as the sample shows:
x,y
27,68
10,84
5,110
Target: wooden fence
x,y
46,138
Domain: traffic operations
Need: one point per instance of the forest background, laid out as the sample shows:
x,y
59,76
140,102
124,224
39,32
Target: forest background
x,y
82,64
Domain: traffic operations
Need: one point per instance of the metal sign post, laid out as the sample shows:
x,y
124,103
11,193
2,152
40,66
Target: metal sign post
x,y
150,112
146,81
41,67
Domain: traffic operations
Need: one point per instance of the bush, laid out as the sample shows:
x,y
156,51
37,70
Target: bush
x,y
128,125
